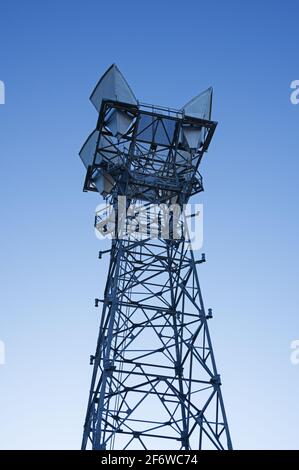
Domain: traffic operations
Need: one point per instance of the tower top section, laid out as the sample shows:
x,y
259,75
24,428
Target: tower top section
x,y
146,152
114,87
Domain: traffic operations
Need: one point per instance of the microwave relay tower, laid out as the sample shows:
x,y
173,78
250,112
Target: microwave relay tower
x,y
155,384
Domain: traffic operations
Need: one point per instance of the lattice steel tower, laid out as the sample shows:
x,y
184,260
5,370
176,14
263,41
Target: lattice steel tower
x,y
154,384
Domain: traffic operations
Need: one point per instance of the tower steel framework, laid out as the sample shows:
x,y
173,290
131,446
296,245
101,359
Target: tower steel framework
x,y
155,383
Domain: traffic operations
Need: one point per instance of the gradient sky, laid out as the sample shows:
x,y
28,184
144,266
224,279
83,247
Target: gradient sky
x,y
52,54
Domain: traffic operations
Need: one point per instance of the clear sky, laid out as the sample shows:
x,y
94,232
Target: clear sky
x,y
52,54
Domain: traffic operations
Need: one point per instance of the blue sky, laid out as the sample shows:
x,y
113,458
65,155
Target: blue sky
x,y
52,54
